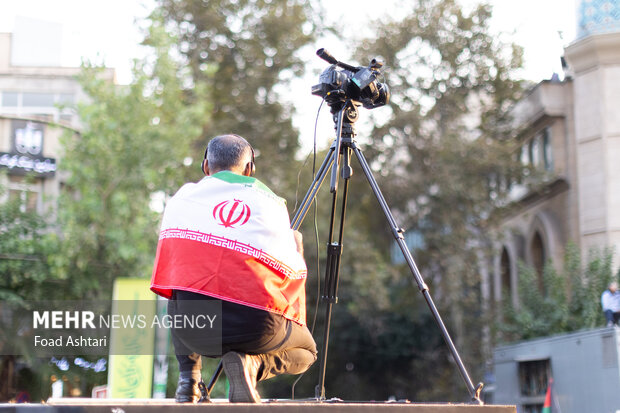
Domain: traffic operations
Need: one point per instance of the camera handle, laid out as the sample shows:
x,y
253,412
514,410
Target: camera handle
x,y
344,145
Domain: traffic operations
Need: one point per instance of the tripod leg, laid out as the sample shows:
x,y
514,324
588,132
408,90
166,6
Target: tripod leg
x,y
332,270
206,396
398,235
313,189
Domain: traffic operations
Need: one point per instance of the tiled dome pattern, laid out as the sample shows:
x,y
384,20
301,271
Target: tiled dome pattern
x,y
598,16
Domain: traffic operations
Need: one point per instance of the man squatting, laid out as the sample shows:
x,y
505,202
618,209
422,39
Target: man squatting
x,y
227,239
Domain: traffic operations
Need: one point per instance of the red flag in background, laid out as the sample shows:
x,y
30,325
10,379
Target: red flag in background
x,y
547,406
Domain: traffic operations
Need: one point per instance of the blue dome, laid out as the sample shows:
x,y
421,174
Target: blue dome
x,y
598,16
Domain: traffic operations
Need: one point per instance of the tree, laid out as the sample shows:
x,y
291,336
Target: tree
x,y
570,300
133,144
244,51
24,246
451,85
445,141
24,276
439,158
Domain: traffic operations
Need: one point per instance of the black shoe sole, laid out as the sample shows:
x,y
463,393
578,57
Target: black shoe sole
x,y
240,388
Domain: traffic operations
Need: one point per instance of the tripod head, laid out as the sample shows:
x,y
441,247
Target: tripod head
x,y
350,115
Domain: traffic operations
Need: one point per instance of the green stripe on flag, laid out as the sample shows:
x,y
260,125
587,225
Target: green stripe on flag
x,y
233,178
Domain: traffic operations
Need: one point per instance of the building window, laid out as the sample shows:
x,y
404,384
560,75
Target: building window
x,y
534,149
505,274
492,297
533,379
27,199
65,99
537,251
525,155
414,241
26,191
547,149
10,99
44,106
45,100
537,152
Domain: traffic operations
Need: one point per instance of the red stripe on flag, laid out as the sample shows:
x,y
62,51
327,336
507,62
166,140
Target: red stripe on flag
x,y
190,265
260,255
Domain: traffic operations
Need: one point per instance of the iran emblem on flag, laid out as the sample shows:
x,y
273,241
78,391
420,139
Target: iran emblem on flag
x,y
232,213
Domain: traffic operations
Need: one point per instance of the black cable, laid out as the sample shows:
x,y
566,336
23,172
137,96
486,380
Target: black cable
x,y
316,228
313,152
316,237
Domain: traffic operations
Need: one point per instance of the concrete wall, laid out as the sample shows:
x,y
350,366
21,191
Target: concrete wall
x,y
584,366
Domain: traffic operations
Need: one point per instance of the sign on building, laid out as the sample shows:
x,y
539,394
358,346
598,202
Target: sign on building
x,y
26,154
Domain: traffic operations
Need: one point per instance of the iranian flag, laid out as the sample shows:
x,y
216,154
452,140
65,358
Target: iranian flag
x,y
228,236
547,406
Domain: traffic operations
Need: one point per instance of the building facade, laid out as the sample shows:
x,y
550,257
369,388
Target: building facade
x,y
36,108
570,135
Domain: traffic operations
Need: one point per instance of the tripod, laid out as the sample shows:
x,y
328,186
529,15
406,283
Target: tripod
x,y
345,115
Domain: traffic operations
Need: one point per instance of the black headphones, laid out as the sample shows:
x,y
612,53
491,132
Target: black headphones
x,y
252,164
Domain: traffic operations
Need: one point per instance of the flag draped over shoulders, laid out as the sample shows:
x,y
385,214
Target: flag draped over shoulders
x,y
228,236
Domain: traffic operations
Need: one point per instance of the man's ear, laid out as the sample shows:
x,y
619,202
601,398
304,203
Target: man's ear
x,y
249,169
205,167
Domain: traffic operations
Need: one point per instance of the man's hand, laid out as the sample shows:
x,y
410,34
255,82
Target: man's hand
x,y
299,242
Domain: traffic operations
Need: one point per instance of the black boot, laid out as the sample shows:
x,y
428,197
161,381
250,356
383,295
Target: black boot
x,y
187,387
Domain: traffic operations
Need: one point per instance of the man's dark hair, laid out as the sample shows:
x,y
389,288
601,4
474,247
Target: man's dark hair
x,y
225,152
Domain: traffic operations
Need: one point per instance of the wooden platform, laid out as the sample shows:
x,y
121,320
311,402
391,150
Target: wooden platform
x,y
75,405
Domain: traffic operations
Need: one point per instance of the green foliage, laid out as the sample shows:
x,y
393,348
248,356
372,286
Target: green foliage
x,y
443,148
382,330
438,157
245,50
569,300
133,144
439,154
24,247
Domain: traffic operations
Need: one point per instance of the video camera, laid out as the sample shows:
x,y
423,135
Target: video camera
x,y
354,83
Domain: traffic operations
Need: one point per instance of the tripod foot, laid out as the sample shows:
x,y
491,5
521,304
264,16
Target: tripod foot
x,y
205,396
477,393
